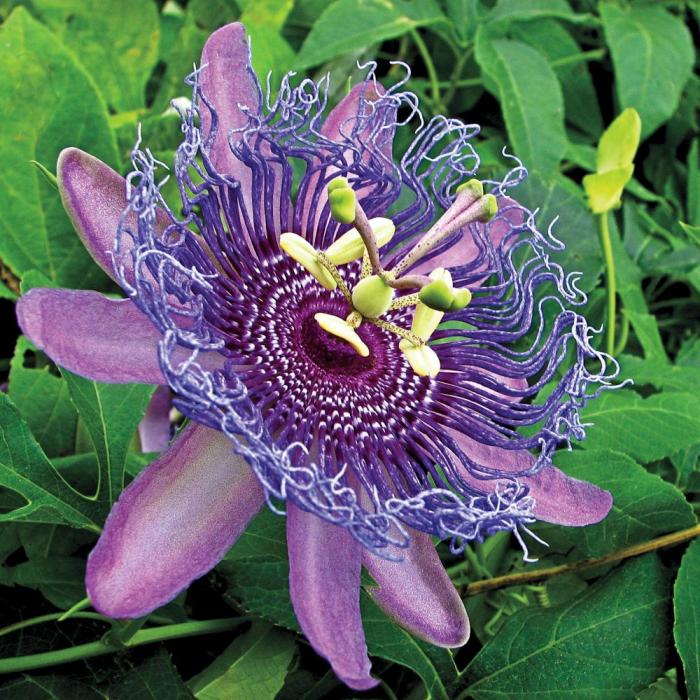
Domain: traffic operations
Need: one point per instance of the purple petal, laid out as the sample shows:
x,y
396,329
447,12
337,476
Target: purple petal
x,y
107,340
464,250
418,593
94,196
559,498
99,338
154,428
172,524
324,583
336,127
228,81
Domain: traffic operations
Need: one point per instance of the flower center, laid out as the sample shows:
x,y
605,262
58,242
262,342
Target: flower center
x,y
374,294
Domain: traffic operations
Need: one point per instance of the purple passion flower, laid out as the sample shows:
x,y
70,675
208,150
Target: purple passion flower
x,y
294,309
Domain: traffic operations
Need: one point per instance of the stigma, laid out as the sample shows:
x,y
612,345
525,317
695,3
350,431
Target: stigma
x,y
375,294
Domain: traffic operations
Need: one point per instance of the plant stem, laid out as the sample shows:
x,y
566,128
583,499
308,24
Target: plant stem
x,y
92,649
430,67
52,617
592,55
611,285
523,577
624,335
459,67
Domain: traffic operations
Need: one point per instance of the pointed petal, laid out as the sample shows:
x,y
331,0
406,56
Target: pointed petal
x,y
108,340
99,338
337,126
324,583
172,524
154,428
94,196
465,249
559,498
228,81
418,593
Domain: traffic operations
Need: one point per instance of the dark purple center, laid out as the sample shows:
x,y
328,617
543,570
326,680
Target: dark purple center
x,y
303,378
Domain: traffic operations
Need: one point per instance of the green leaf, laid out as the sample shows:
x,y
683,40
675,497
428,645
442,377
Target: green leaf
x,y
25,470
644,505
43,401
346,25
49,103
519,11
606,643
263,20
555,42
111,414
530,97
463,16
60,579
119,49
693,197
663,689
254,666
46,687
257,572
686,627
186,51
692,231
646,429
653,56
155,678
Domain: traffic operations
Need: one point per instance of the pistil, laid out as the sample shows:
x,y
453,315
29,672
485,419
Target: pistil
x,y
374,294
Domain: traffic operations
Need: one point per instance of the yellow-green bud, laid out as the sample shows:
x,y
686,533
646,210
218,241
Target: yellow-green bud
x,y
372,296
426,320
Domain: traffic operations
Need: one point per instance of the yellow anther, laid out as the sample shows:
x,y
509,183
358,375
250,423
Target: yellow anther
x,y
306,255
342,329
350,247
423,359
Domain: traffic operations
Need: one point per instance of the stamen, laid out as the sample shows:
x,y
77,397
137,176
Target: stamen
x,y
408,336
406,300
305,254
426,318
423,359
342,329
335,273
350,246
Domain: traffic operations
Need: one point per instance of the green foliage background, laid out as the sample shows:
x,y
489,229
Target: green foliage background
x,y
543,77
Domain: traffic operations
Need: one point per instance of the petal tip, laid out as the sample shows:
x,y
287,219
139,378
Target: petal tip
x,y
30,317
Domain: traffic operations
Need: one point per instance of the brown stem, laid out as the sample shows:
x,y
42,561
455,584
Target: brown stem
x,y
364,228
524,577
409,282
